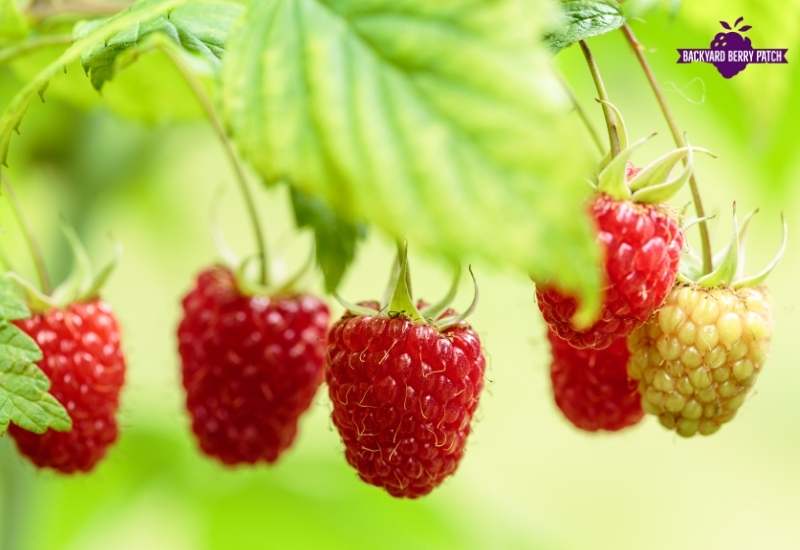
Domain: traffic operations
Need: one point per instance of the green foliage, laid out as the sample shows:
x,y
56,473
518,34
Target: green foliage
x,y
24,397
142,11
440,122
12,22
199,27
584,19
335,238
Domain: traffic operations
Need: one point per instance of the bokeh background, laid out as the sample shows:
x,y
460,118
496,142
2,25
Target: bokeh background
x,y
140,167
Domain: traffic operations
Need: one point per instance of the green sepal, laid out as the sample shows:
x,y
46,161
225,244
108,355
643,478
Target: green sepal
x,y
224,250
454,320
760,277
102,276
661,192
742,252
622,135
725,270
402,301
658,170
79,280
363,311
434,310
611,179
37,301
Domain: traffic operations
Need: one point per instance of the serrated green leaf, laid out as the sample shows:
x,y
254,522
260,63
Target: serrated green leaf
x,y
141,11
336,239
12,306
584,19
16,347
23,386
440,122
12,22
201,28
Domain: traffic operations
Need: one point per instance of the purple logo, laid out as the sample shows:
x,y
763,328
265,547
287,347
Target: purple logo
x,y
731,51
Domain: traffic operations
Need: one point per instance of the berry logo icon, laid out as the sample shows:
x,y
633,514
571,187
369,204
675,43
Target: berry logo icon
x,y
731,52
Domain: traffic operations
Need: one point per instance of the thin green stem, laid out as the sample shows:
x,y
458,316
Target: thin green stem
x,y
216,123
33,246
593,133
33,44
680,141
599,84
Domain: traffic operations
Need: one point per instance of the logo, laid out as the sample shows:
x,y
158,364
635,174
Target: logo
x,y
731,51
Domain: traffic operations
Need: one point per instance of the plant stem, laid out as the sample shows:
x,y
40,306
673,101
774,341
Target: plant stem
x,y
216,123
611,121
680,141
582,114
33,246
33,44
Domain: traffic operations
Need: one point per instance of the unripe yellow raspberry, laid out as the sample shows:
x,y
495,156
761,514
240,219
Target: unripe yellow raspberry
x,y
696,358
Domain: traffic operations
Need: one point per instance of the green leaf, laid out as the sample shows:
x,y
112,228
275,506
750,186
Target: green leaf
x,y
440,122
12,22
336,239
11,306
201,28
584,19
141,11
24,397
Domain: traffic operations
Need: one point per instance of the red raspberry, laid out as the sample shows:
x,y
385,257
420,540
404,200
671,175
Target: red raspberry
x,y
83,359
403,398
251,366
592,388
642,247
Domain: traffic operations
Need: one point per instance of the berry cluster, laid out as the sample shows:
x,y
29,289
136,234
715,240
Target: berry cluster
x,y
683,345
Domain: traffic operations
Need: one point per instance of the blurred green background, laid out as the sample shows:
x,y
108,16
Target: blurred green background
x,y
125,169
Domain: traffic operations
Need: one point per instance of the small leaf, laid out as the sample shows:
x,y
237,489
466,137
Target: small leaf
x,y
23,386
141,11
200,28
738,20
336,239
11,305
725,25
584,19
745,28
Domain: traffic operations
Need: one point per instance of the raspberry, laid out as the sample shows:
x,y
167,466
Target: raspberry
x,y
698,356
592,388
251,366
642,247
403,396
83,359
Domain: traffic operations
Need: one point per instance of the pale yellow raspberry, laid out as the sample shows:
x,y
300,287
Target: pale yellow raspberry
x,y
698,356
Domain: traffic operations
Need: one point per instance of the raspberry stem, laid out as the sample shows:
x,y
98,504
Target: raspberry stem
x,y
30,241
216,124
680,141
611,121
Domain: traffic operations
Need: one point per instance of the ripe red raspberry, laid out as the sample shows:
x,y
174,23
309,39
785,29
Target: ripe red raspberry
x,y
403,396
642,246
251,366
83,359
591,387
